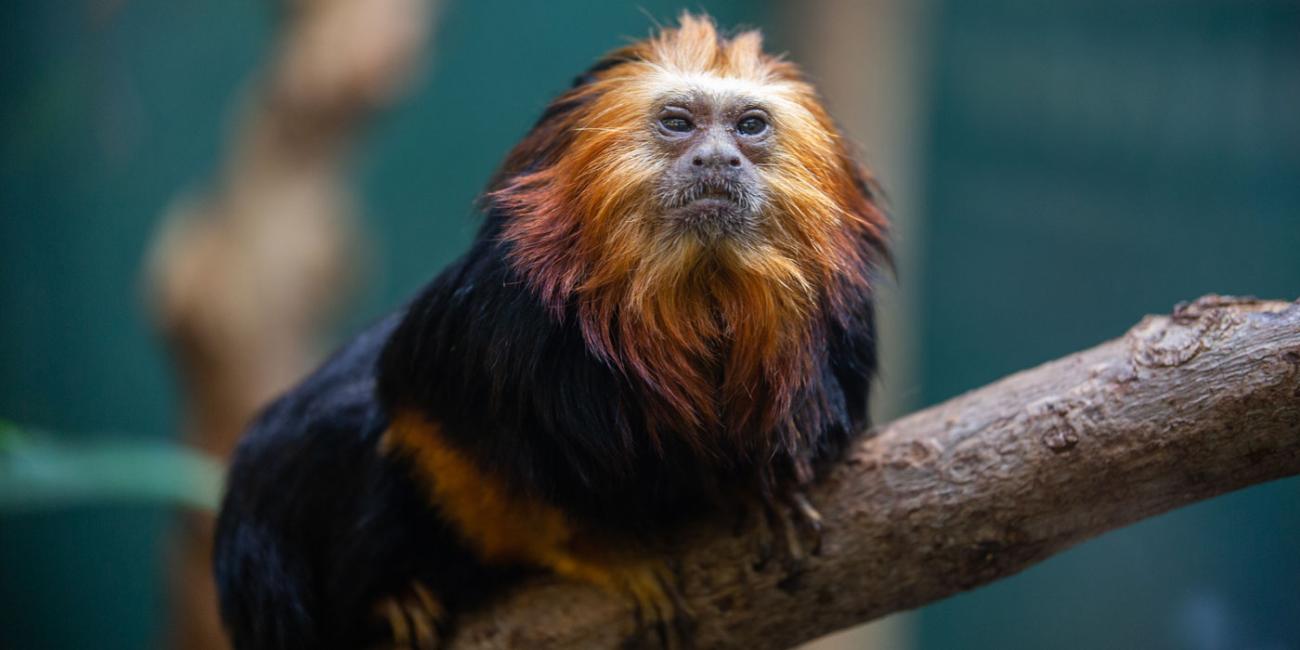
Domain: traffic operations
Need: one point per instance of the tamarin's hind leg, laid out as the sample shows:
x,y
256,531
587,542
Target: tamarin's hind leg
x,y
506,527
663,620
415,619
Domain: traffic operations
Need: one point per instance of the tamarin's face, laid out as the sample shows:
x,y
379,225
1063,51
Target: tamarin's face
x,y
713,135
694,202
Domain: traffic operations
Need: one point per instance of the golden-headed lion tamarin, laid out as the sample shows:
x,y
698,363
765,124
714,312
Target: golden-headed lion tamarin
x,y
667,313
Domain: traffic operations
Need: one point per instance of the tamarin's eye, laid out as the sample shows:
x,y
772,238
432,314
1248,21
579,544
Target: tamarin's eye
x,y
677,124
751,125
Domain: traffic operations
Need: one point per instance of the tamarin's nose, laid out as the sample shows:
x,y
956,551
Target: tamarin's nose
x,y
715,156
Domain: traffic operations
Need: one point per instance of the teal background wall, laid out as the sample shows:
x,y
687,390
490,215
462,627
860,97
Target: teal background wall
x,y
106,111
1091,161
1088,161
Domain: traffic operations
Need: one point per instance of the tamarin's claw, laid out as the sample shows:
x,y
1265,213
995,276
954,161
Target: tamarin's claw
x,y
809,519
413,618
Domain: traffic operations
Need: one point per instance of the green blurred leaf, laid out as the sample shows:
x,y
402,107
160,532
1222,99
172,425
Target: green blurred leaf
x,y
38,470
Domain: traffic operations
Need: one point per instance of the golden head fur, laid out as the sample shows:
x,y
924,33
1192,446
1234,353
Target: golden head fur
x,y
721,331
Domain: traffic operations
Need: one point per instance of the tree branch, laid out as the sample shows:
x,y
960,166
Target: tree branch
x,y
1182,408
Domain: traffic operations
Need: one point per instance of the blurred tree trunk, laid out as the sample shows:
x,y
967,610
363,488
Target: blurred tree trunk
x,y
245,277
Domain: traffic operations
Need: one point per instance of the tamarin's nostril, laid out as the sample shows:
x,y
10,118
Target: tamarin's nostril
x,y
735,162
698,161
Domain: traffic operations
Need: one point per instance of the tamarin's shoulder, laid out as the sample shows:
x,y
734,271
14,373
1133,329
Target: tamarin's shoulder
x,y
470,321
320,426
339,394
345,402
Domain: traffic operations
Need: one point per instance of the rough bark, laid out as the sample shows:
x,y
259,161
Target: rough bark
x,y
1182,408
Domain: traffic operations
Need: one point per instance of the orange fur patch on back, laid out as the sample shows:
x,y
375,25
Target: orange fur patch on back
x,y
502,526
724,336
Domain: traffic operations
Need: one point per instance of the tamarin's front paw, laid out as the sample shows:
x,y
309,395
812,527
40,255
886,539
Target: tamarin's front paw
x,y
414,618
789,529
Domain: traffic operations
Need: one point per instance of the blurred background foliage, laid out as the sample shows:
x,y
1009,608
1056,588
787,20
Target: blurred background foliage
x,y
1078,163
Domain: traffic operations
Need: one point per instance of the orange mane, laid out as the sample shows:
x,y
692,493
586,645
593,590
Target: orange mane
x,y
724,338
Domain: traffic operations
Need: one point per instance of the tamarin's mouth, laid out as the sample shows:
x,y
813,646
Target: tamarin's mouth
x,y
709,194
715,194
710,207
695,193
710,211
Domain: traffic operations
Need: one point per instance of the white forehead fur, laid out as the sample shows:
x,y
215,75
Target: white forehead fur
x,y
772,95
